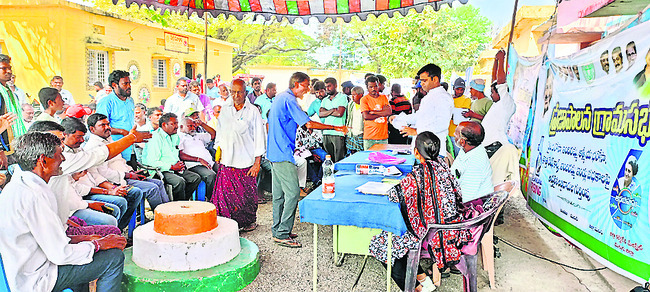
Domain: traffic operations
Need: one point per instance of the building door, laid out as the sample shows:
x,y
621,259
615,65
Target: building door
x,y
190,70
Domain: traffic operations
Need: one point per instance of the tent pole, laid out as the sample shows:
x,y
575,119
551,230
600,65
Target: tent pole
x,y
512,30
205,56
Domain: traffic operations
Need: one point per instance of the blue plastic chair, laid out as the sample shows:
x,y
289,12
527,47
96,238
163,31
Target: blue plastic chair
x,y
200,192
4,284
134,218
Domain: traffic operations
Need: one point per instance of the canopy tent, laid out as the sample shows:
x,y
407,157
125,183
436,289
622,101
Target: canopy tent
x,y
294,9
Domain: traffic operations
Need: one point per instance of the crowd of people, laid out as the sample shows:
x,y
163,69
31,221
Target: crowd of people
x,y
79,172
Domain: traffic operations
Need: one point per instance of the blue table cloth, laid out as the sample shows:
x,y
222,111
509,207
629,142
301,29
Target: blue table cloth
x,y
350,207
350,163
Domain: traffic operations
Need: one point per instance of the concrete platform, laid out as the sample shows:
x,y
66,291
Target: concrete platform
x,y
231,276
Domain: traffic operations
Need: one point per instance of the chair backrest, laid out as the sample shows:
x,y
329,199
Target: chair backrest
x,y
4,285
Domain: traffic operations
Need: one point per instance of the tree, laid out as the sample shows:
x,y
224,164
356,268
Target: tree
x,y
260,42
452,38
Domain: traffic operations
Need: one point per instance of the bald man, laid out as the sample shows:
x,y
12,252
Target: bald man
x,y
472,166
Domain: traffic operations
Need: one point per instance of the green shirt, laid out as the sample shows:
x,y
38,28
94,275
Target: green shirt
x,y
265,104
481,107
161,151
339,100
13,106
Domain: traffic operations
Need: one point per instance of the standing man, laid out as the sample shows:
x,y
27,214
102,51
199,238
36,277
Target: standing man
x,y
243,142
9,104
183,100
284,118
480,104
375,110
213,91
162,152
472,166
399,104
381,86
51,102
435,108
57,82
118,106
224,96
257,89
266,99
354,122
346,87
333,112
18,93
314,107
460,101
28,114
37,254
496,120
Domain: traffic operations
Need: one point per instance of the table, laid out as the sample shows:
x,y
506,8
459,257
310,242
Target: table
x,y
398,147
350,209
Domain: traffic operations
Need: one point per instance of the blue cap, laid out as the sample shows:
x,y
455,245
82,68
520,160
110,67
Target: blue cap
x,y
417,85
347,84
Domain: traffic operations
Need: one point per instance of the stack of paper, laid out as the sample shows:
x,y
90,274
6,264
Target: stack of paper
x,y
375,188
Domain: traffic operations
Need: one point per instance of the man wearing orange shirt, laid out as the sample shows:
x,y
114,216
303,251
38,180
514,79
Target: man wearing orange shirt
x,y
375,110
460,101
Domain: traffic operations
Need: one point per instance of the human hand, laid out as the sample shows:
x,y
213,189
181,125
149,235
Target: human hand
x,y
408,131
178,166
76,176
343,129
140,136
6,121
205,163
255,169
133,175
73,224
3,179
97,206
111,241
469,114
501,54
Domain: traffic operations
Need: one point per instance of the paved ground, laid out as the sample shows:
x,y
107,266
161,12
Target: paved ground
x,y
285,269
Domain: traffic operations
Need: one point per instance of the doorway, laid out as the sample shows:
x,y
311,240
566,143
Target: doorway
x,y
190,70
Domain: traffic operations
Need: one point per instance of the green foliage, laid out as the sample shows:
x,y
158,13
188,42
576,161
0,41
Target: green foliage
x,y
260,42
452,38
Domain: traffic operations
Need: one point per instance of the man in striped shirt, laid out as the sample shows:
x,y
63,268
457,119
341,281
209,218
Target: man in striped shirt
x,y
472,166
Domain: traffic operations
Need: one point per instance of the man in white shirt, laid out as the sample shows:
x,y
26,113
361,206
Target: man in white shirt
x,y
435,109
183,100
242,140
28,114
472,166
496,120
193,151
57,82
224,96
37,254
52,102
18,93
115,170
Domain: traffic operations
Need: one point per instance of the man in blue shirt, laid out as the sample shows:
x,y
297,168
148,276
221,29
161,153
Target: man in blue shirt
x,y
119,108
284,118
213,91
265,100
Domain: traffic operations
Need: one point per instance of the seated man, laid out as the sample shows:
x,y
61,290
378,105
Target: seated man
x,y
37,254
85,185
51,100
73,137
472,166
162,152
115,170
153,115
193,151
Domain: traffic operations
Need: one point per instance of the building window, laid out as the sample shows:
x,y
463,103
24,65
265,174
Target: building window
x,y
97,67
160,73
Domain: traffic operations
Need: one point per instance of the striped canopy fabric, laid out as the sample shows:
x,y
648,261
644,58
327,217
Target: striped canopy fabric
x,y
294,9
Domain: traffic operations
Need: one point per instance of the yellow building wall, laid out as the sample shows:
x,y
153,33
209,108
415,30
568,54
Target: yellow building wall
x,y
53,38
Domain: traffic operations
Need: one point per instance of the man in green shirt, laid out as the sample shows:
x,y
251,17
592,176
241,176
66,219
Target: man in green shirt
x,y
333,112
265,100
162,152
9,104
480,104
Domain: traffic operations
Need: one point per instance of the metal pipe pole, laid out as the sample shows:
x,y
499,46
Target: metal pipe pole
x,y
512,30
205,56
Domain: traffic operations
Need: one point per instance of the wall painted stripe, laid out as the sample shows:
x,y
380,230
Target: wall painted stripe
x,y
245,5
233,5
406,3
267,5
255,5
392,4
355,6
342,6
367,5
292,8
381,5
316,6
221,4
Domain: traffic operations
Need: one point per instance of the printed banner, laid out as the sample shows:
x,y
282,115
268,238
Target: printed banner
x,y
588,175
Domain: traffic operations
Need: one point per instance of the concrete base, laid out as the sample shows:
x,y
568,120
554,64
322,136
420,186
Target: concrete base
x,y
231,276
155,251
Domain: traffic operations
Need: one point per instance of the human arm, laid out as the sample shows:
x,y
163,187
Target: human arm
x,y
213,132
255,169
472,115
129,138
498,69
371,114
6,121
335,112
186,157
114,190
321,126
101,243
118,131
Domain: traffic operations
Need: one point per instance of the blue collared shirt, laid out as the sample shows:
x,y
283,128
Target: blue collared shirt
x,y
120,114
284,118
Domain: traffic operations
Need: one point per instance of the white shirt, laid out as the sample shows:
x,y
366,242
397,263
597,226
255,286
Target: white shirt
x,y
114,169
33,241
241,135
100,94
76,160
219,101
496,120
178,105
434,115
475,173
67,97
195,146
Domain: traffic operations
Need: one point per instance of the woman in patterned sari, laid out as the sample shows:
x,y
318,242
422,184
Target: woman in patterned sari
x,y
429,194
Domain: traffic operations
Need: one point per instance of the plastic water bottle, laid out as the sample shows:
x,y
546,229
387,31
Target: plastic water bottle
x,y
370,169
328,178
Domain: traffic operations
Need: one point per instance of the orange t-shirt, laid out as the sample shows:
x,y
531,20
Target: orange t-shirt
x,y
376,129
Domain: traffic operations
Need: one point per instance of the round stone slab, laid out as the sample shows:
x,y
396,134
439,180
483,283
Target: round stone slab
x,y
231,276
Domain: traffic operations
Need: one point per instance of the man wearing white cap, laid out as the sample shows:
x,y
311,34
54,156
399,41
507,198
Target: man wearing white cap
x,y
480,104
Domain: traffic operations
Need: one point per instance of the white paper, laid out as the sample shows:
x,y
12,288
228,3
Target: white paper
x,y
375,188
457,114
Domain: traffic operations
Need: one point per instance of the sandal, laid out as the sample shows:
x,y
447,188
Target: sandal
x,y
289,242
249,228
293,235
